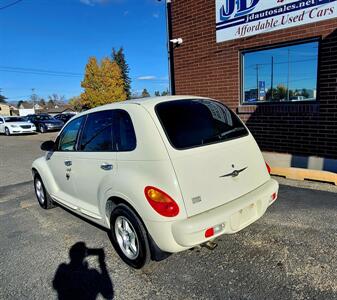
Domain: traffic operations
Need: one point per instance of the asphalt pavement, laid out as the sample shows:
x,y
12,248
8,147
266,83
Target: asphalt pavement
x,y
290,253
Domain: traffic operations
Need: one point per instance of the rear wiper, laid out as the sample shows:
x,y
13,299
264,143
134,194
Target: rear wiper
x,y
222,135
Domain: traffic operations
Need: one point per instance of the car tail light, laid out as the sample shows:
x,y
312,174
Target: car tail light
x,y
209,232
161,202
268,168
214,230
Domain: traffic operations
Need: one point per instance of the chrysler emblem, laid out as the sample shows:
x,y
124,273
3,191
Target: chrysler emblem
x,y
235,173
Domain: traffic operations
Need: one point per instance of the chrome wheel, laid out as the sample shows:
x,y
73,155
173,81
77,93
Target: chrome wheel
x,y
126,237
7,131
39,191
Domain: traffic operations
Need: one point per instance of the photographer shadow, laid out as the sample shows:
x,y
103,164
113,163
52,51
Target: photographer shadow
x,y
76,280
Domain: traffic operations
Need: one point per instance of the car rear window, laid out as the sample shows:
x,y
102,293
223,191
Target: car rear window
x,y
198,122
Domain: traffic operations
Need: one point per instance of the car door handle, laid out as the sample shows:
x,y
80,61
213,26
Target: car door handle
x,y
106,167
68,163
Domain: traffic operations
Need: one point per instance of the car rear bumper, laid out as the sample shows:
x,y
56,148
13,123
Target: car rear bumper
x,y
54,128
230,218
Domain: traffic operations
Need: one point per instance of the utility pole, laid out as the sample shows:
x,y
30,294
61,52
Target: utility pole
x,y
33,98
170,46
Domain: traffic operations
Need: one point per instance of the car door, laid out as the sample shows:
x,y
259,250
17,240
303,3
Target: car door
x,y
95,164
61,161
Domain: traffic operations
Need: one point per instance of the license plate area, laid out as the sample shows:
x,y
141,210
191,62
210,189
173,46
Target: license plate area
x,y
243,217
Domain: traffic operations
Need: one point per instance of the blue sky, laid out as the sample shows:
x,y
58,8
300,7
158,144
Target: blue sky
x,y
60,35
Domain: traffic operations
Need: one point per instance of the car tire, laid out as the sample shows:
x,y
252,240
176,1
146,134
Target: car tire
x,y
7,132
42,129
42,196
130,241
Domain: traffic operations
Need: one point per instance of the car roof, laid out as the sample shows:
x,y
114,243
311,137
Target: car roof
x,y
147,102
11,116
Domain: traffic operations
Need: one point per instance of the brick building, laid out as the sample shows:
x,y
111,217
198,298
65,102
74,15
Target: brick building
x,y
274,64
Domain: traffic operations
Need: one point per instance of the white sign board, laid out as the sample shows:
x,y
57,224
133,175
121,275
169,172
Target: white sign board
x,y
242,18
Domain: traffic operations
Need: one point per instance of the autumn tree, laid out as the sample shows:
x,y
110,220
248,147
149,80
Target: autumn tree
x,y
119,58
103,83
145,93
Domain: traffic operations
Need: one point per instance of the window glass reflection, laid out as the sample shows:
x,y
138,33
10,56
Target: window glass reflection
x,y
281,74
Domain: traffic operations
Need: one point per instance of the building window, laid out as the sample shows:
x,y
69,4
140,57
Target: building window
x,y
283,74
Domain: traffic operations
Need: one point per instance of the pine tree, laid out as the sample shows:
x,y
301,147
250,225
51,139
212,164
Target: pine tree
x,y
145,93
103,83
3,99
157,93
119,58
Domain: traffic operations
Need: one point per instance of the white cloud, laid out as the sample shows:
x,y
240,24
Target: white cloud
x,y
94,2
155,15
150,77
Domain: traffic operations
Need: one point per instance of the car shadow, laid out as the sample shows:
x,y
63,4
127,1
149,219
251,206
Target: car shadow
x,y
77,280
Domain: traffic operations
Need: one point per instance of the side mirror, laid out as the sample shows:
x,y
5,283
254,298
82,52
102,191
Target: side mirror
x,y
48,146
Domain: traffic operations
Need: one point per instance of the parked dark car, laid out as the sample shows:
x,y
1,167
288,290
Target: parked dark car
x,y
45,122
64,117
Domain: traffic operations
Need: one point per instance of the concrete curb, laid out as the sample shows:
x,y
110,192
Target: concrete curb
x,y
305,174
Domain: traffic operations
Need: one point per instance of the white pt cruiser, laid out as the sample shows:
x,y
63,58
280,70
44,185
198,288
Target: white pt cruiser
x,y
162,174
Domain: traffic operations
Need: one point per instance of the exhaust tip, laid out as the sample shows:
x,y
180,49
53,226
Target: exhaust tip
x,y
210,245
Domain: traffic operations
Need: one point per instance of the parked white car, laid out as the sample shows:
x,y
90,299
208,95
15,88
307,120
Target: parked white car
x,y
163,174
15,125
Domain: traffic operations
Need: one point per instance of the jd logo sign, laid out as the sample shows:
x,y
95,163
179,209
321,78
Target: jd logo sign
x,y
237,19
236,8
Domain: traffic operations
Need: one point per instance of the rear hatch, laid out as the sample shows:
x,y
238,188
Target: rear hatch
x,y
215,158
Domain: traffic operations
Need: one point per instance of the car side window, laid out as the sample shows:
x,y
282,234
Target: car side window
x,y
1,121
125,135
68,137
97,133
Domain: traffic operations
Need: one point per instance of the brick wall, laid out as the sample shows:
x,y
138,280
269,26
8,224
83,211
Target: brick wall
x,y
206,68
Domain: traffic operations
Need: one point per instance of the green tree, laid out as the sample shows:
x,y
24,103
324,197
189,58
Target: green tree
x,y
157,93
21,102
282,92
145,93
103,83
3,99
165,93
51,103
42,102
119,58
75,103
305,93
